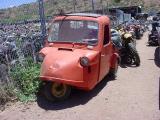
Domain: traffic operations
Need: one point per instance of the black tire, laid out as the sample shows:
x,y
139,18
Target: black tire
x,y
128,59
149,44
50,96
137,34
135,55
159,41
113,71
137,59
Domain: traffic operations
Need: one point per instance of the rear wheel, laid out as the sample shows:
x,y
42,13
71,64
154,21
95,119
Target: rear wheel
x,y
56,91
128,59
113,71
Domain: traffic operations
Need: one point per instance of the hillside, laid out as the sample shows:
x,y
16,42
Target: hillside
x,y
30,11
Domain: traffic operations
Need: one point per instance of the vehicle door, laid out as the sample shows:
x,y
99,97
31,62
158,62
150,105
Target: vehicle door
x,y
106,53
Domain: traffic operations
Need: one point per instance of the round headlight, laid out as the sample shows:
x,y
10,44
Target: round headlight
x,y
40,57
84,61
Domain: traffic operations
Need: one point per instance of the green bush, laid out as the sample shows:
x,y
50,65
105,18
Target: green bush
x,y
27,80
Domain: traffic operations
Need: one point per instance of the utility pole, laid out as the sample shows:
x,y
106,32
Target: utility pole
x,y
102,7
42,19
107,8
74,4
93,5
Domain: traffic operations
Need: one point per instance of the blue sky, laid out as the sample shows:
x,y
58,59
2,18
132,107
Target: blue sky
x,y
11,3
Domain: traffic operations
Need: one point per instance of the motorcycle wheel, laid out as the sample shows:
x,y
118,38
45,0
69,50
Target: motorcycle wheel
x,y
56,91
159,41
128,60
136,57
138,36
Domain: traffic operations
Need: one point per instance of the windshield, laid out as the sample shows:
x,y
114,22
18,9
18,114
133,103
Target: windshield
x,y
74,31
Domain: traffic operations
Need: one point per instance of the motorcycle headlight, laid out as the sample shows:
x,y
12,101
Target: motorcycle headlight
x,y
84,61
40,57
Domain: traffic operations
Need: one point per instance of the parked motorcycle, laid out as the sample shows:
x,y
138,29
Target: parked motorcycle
x,y
116,39
128,53
153,38
138,33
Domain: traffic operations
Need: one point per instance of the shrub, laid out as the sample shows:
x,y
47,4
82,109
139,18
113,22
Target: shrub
x,y
27,80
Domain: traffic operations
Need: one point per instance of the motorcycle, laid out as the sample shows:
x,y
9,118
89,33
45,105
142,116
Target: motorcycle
x,y
153,38
138,33
128,52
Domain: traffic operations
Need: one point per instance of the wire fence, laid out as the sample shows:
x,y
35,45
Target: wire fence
x,y
19,43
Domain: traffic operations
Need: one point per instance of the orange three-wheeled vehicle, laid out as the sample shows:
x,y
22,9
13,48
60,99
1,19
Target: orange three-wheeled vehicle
x,y
78,53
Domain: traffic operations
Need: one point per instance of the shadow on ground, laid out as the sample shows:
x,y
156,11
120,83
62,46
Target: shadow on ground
x,y
157,56
126,66
151,45
78,97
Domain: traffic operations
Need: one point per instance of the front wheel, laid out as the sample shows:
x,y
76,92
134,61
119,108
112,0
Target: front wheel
x,y
56,91
137,59
135,55
159,41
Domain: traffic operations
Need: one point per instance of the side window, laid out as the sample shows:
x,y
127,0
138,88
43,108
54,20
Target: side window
x,y
106,35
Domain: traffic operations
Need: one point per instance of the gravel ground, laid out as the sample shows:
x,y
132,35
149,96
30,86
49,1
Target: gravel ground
x,y
134,95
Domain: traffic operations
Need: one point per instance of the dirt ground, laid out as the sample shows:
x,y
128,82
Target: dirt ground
x,y
134,95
